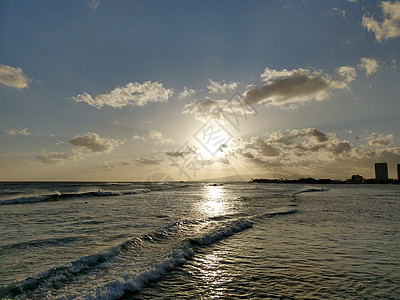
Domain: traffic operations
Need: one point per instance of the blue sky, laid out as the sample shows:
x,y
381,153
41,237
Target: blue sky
x,y
123,90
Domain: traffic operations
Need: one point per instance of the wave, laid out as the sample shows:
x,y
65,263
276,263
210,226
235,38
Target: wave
x,y
126,268
59,196
38,243
311,190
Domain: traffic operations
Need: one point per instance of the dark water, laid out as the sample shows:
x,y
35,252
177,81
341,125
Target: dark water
x,y
199,241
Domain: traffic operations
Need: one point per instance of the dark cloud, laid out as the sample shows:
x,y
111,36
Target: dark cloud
x,y
148,161
292,86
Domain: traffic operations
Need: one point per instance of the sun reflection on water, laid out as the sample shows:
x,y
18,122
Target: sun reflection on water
x,y
215,203
213,277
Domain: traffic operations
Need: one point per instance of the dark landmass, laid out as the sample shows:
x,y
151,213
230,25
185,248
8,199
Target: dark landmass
x,y
324,181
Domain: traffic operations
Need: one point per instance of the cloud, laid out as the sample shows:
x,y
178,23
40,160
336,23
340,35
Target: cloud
x,y
57,157
94,4
138,138
380,140
13,77
18,131
189,93
115,163
93,142
134,94
293,86
389,28
182,152
148,161
281,88
221,87
310,152
261,147
369,65
207,109
159,138
339,11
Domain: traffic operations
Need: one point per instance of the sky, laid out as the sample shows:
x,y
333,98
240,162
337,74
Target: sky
x,y
192,90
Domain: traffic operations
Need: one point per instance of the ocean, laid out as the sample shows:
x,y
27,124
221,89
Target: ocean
x,y
75,240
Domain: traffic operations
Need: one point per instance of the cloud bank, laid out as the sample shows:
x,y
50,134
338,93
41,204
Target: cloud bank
x,y
13,77
133,94
310,152
389,28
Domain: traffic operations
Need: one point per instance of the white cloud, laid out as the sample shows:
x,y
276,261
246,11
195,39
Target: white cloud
x,y
94,4
138,138
380,140
301,85
345,74
13,77
18,131
186,93
134,94
93,142
369,65
221,87
389,28
159,138
339,11
57,157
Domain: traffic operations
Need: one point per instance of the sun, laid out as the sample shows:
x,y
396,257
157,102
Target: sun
x,y
204,154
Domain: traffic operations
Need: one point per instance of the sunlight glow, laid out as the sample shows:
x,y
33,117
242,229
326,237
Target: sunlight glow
x,y
215,204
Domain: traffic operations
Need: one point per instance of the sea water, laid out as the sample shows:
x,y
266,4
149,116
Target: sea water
x,y
199,241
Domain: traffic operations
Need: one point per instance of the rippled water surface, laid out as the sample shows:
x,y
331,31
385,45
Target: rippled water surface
x,y
199,241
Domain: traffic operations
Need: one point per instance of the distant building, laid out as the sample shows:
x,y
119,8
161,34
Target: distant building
x,y
357,178
381,171
398,172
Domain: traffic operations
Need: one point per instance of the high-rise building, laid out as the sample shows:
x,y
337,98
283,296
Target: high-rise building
x,y
398,172
381,171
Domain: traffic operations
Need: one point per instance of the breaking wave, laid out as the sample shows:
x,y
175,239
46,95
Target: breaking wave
x,y
137,262
59,196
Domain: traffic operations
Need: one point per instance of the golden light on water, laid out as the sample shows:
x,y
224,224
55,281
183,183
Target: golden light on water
x,y
213,277
215,204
